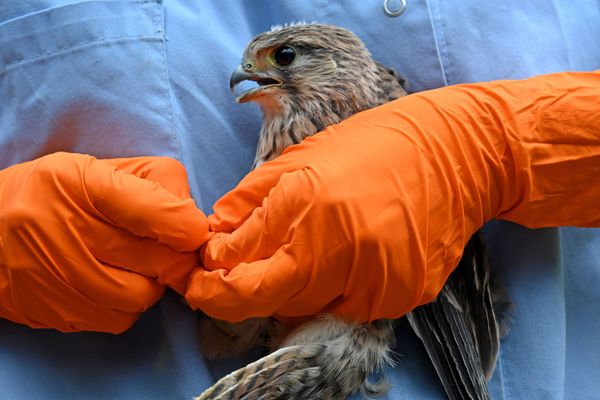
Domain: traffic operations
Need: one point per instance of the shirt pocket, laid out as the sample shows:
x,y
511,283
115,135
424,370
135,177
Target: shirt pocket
x,y
87,77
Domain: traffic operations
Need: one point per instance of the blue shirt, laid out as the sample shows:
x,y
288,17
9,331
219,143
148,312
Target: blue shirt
x,y
126,78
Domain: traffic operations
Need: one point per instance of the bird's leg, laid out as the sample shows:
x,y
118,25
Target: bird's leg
x,y
221,339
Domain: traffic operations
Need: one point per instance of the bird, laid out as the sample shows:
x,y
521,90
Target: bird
x,y
310,76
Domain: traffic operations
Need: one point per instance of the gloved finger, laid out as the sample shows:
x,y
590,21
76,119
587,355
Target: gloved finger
x,y
263,286
231,210
267,229
117,289
119,248
111,287
169,267
61,282
268,263
63,306
144,208
168,172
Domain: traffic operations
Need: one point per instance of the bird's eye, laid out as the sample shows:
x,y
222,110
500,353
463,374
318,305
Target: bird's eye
x,y
284,55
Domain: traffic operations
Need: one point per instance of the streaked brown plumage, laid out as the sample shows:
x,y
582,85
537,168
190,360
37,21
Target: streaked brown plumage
x,y
320,88
311,76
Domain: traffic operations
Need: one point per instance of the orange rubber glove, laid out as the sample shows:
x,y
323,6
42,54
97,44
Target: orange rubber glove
x,y
368,218
87,245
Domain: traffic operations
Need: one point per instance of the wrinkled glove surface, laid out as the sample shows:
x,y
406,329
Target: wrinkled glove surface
x,y
89,244
368,218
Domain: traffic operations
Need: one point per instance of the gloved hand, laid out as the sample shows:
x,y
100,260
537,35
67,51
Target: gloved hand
x,y
368,218
85,244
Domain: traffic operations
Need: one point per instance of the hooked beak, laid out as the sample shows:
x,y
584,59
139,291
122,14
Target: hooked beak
x,y
264,82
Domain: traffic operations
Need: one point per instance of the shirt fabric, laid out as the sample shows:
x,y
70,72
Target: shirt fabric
x,y
128,78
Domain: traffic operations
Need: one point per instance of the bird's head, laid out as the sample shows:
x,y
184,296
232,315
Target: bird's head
x,y
309,76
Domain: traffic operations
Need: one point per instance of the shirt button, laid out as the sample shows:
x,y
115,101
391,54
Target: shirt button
x,y
394,8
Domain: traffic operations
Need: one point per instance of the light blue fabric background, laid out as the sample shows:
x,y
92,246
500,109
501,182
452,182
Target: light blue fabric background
x,y
124,78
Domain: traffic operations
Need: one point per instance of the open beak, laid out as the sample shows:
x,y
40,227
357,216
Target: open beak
x,y
264,82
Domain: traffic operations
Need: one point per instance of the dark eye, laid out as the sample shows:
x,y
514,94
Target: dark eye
x,y
284,55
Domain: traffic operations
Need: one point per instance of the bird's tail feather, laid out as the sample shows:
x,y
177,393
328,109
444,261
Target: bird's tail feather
x,y
451,348
459,329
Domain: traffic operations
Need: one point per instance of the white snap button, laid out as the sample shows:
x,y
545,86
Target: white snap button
x,y
394,8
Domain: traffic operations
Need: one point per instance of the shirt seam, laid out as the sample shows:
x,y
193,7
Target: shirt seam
x,y
440,40
77,46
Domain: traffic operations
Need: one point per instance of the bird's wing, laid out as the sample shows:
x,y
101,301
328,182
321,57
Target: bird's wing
x,y
270,372
459,329
315,366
